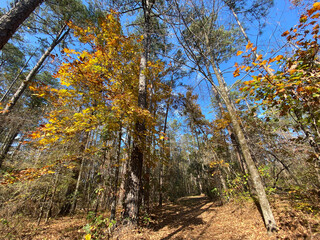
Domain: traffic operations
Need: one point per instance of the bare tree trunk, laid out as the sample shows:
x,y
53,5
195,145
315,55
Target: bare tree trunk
x,y
76,191
147,188
34,71
230,131
10,21
14,80
7,143
122,185
132,186
42,206
52,197
116,178
125,171
162,156
160,183
223,186
253,171
247,38
16,150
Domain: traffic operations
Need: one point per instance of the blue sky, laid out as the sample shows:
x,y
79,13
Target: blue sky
x,y
281,18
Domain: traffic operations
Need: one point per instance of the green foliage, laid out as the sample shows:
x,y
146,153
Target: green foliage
x,y
238,187
293,90
305,200
214,193
146,219
97,226
208,37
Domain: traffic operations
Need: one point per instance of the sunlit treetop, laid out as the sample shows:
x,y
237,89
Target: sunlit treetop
x,y
99,86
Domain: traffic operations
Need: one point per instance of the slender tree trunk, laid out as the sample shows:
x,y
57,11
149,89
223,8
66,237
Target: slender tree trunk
x,y
131,203
160,184
116,178
162,155
146,174
10,21
223,186
230,131
16,150
14,80
147,189
247,38
49,212
42,206
76,191
253,171
34,71
125,171
8,143
123,182
96,208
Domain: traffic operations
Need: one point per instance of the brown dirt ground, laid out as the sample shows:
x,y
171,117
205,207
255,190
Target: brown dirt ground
x,y
198,218
191,218
64,228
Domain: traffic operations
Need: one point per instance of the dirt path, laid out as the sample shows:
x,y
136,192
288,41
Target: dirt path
x,y
198,218
192,218
64,228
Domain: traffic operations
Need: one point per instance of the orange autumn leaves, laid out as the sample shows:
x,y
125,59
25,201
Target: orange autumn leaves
x,y
99,85
295,85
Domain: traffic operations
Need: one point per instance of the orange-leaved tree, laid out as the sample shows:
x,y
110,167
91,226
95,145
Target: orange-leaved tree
x,y
98,86
98,93
294,88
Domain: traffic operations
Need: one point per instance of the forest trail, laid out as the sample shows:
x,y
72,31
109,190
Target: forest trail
x,y
198,218
192,218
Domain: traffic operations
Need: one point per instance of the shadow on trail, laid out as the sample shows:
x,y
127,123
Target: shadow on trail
x,y
184,214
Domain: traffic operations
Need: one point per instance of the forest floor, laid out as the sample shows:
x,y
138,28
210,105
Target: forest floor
x,y
192,217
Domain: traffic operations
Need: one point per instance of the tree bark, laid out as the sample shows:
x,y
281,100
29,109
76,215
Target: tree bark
x,y
49,212
7,143
125,170
257,184
162,154
247,38
116,178
132,186
42,206
10,21
83,148
33,72
14,81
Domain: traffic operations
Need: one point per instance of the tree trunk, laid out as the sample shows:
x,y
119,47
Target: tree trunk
x,y
160,183
125,171
42,206
15,80
247,38
76,191
147,187
162,152
10,21
49,212
132,186
33,72
7,143
116,178
253,171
